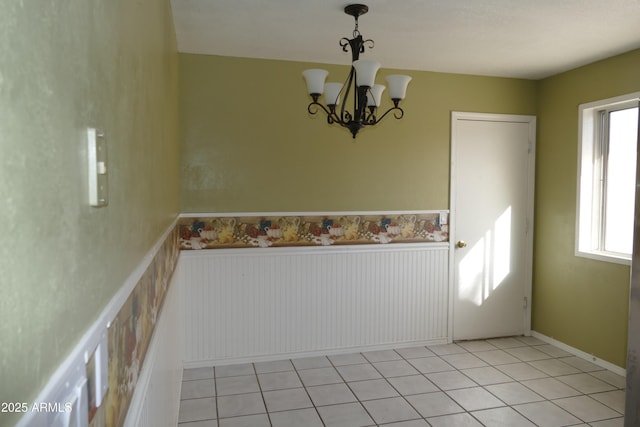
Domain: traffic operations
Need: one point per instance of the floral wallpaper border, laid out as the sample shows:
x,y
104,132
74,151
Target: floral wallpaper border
x,y
131,331
264,231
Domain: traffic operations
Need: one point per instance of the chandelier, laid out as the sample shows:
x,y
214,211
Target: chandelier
x,y
359,87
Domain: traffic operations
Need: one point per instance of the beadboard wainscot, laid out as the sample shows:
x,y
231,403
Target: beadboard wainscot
x,y
250,301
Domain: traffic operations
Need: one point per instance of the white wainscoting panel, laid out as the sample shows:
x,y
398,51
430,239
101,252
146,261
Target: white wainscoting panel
x,y
156,399
259,304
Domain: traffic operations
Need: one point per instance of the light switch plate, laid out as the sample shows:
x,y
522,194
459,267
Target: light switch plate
x,y
98,177
80,408
102,369
444,216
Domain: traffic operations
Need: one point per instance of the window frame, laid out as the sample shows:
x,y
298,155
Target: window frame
x,y
590,209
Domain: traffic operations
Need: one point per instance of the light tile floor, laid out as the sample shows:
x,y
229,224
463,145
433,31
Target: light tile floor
x,y
519,381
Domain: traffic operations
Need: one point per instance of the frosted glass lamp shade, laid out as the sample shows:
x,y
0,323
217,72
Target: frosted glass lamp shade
x,y
332,93
315,80
398,85
366,70
374,95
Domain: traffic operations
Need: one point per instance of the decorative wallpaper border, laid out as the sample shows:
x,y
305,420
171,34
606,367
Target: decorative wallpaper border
x,y
264,231
130,333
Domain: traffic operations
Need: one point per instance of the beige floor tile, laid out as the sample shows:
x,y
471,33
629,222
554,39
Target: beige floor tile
x,y
240,404
613,399
456,420
427,365
279,380
285,400
546,414
345,415
497,357
358,372
413,384
486,375
514,393
198,388
506,417
296,418
234,370
372,389
390,410
331,394
434,404
319,376
197,409
473,399
586,383
463,361
551,388
586,408
260,420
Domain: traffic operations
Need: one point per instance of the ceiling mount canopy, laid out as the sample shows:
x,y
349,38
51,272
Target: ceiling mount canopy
x,y
359,89
356,10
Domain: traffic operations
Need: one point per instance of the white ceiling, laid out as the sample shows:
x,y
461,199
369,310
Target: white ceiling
x,y
528,39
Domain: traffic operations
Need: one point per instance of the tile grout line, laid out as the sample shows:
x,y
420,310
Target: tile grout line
x,y
264,401
397,391
215,391
304,386
390,385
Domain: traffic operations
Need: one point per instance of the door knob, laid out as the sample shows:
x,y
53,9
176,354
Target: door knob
x,y
461,244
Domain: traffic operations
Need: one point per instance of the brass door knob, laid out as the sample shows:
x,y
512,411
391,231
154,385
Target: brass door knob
x,y
461,244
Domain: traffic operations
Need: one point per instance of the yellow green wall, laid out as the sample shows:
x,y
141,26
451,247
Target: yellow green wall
x,y
579,301
249,145
67,65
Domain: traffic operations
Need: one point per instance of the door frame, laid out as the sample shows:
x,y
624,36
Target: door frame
x,y
531,121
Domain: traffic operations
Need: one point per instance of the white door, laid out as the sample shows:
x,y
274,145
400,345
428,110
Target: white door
x,y
492,177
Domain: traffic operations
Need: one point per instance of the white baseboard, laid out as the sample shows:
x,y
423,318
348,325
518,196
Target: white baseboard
x,y
581,354
331,352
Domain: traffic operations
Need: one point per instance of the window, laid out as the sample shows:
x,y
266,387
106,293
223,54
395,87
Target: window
x,y
606,178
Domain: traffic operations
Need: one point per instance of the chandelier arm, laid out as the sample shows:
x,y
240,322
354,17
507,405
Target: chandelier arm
x,y
332,117
370,43
312,108
345,116
370,117
398,113
344,42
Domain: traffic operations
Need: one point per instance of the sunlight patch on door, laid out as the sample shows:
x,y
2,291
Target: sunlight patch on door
x,y
502,248
487,263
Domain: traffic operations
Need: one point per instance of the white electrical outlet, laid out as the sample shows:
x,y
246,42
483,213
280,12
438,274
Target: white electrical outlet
x,y
98,178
